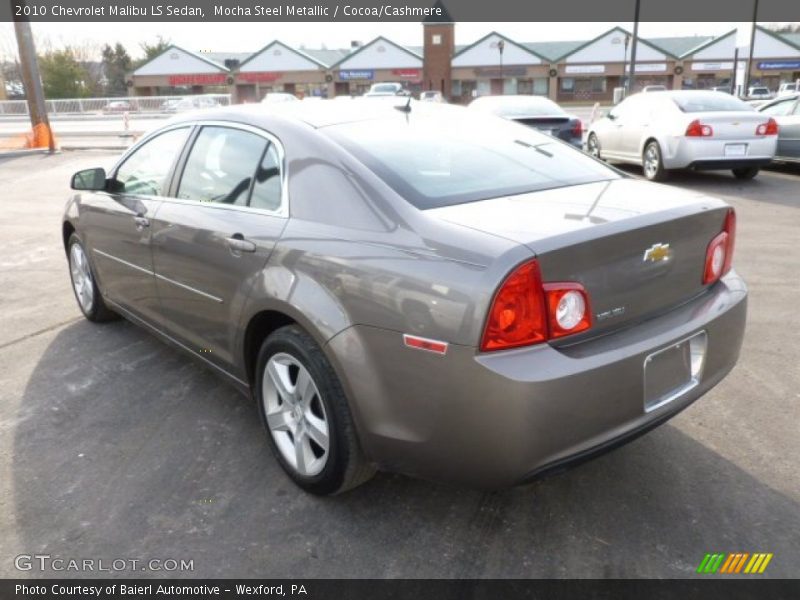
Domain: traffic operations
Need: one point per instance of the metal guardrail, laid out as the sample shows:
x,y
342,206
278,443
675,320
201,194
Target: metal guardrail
x,y
132,104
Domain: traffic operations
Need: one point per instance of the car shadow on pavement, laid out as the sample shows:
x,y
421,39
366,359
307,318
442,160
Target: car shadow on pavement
x,y
125,448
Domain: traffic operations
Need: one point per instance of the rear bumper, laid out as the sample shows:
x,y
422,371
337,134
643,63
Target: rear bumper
x,y
683,152
496,419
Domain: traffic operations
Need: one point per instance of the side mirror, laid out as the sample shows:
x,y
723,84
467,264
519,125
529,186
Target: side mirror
x,y
610,115
89,180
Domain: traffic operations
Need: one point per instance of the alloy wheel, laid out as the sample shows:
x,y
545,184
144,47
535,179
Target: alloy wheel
x,y
295,414
650,161
81,275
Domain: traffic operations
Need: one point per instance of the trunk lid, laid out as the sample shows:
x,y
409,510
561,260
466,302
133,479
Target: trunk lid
x,y
638,248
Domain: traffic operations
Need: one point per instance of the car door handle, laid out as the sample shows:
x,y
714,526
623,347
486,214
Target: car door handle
x,y
237,242
141,222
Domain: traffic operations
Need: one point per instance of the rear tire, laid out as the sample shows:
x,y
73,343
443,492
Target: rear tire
x,y
310,430
84,284
745,172
652,164
593,146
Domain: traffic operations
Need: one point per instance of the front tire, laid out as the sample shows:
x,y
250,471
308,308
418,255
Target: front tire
x,y
745,172
652,164
84,285
306,415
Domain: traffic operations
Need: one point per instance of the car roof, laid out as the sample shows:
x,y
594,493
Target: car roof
x,y
321,114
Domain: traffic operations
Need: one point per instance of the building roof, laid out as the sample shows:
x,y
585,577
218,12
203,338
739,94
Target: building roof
x,y
679,46
327,56
221,57
551,50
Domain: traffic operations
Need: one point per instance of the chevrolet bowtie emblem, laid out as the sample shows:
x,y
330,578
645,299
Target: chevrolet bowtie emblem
x,y
657,253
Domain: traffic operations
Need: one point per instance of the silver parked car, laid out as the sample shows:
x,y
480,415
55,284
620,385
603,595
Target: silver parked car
x,y
417,288
534,111
685,130
786,112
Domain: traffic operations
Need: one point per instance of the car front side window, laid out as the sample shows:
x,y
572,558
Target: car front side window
x,y
146,171
221,166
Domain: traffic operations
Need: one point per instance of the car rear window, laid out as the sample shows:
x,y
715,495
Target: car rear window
x,y
709,102
519,107
434,162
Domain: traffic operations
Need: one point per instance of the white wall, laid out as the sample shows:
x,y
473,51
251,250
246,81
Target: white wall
x,y
381,55
611,48
279,57
723,48
767,46
486,54
176,62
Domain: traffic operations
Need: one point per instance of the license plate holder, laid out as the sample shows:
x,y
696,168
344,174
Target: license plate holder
x,y
735,149
672,371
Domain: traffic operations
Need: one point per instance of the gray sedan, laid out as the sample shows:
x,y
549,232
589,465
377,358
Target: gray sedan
x,y
786,112
415,288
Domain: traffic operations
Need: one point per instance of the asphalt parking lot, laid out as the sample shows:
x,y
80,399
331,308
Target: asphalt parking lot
x,y
114,445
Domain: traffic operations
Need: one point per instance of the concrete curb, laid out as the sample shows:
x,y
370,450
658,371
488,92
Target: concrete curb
x,y
25,152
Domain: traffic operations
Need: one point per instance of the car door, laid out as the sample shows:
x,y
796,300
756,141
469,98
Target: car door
x,y
635,124
215,235
611,135
117,221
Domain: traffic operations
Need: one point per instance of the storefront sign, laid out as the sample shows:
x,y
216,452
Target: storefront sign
x,y
777,65
407,73
582,69
348,75
498,73
258,77
712,66
649,67
202,79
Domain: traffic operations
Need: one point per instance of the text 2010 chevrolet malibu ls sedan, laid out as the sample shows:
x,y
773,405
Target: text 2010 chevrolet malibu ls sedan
x,y
420,289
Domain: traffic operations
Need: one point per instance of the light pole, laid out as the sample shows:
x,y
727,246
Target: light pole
x,y
752,43
625,65
501,45
29,66
632,78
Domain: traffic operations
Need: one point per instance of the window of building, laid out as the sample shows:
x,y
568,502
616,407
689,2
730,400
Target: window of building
x,y
541,86
510,86
567,84
598,84
484,87
456,87
436,39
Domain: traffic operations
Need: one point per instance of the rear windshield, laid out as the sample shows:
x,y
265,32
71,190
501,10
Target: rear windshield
x,y
709,102
434,162
519,107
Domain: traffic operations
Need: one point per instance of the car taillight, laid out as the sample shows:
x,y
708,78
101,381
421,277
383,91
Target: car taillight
x,y
719,254
768,128
567,308
577,129
698,129
524,311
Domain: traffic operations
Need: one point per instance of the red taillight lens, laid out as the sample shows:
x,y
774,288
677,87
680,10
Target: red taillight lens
x,y
568,308
719,254
577,129
517,315
698,129
525,311
768,128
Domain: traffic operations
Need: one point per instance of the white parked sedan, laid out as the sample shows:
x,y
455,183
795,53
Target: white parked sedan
x,y
689,129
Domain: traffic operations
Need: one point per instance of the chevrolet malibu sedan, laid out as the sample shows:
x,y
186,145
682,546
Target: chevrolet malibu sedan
x,y
786,111
688,129
414,288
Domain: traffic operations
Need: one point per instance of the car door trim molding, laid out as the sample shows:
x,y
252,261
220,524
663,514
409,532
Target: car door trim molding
x,y
158,276
189,288
122,261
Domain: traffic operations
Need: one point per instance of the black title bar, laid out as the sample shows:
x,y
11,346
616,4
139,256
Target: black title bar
x,y
395,10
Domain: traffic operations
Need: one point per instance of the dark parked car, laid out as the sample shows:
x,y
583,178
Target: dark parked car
x,y
535,111
786,112
120,106
417,288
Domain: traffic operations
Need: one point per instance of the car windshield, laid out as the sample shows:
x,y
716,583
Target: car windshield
x,y
386,87
436,161
529,106
693,102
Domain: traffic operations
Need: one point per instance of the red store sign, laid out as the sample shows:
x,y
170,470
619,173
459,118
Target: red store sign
x,y
258,77
207,79
407,73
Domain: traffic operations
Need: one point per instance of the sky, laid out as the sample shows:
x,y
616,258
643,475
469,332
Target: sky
x,y
249,37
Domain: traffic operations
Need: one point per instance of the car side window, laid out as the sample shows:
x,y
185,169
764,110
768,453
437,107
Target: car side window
x,y
221,166
145,172
267,188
